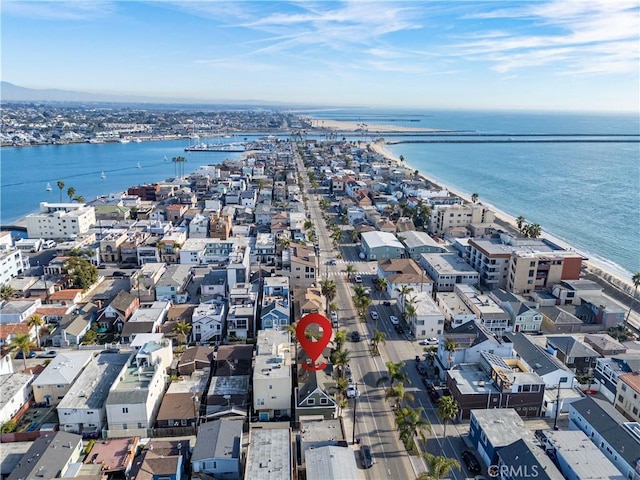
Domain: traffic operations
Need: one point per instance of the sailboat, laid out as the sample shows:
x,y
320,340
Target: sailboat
x,y
165,158
138,165
49,187
103,176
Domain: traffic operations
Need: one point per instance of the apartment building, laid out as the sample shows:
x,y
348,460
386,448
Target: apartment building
x,y
628,396
304,265
447,270
445,218
272,381
60,220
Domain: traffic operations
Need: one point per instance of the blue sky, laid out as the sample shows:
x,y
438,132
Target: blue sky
x,y
557,55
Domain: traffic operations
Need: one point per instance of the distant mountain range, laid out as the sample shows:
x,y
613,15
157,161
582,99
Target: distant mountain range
x,y
14,93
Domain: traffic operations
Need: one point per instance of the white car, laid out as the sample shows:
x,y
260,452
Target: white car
x,y
394,320
429,341
358,279
352,392
374,315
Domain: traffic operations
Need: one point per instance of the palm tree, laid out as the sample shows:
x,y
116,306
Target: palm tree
x,y
341,359
404,291
410,312
378,338
520,222
6,292
396,374
411,423
21,343
36,321
329,289
532,230
340,338
474,197
182,329
450,346
381,284
439,466
60,184
71,192
79,199
342,383
447,411
349,269
636,283
354,236
399,393
342,404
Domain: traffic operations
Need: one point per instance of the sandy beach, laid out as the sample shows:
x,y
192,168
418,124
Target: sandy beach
x,y
593,266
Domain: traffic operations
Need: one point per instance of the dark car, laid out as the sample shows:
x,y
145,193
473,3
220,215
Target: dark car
x,y
398,329
427,382
355,337
422,369
471,461
20,354
118,274
366,456
386,303
434,395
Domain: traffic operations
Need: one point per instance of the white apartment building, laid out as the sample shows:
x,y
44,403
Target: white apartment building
x,y
447,270
489,313
54,382
16,391
82,410
429,320
455,310
135,396
628,396
60,220
444,218
11,262
272,382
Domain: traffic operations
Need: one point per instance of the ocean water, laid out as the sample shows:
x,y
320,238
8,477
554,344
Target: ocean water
x,y
25,171
587,194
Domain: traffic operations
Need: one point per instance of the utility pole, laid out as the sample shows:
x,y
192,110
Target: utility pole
x,y
355,405
555,421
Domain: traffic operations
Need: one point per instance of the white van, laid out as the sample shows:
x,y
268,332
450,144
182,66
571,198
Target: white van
x,y
48,244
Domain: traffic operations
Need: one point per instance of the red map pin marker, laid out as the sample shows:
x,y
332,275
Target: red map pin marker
x,y
314,348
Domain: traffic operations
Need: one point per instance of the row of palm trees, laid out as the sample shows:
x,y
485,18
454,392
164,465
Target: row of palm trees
x,y
531,230
71,193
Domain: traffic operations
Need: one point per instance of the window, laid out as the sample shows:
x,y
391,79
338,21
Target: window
x,y
324,401
563,379
624,387
620,398
125,410
311,401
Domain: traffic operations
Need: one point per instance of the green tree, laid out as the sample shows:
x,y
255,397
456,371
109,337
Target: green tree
x,y
381,284
404,291
340,338
342,384
399,393
636,283
60,184
341,359
79,199
36,321
21,343
410,312
350,268
474,197
439,466
6,292
377,338
71,192
395,374
450,347
447,411
83,274
182,329
411,424
329,289
520,222
308,225
9,427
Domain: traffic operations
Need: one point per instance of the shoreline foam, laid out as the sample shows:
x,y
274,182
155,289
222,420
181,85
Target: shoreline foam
x,y
594,264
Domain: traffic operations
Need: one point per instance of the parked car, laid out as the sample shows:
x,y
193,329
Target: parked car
x,y
471,461
358,279
334,319
355,336
48,354
366,456
118,274
394,320
20,354
429,341
422,370
386,303
398,329
333,262
434,395
374,314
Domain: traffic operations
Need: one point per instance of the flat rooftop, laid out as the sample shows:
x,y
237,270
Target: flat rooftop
x,y
269,455
448,264
502,426
471,379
